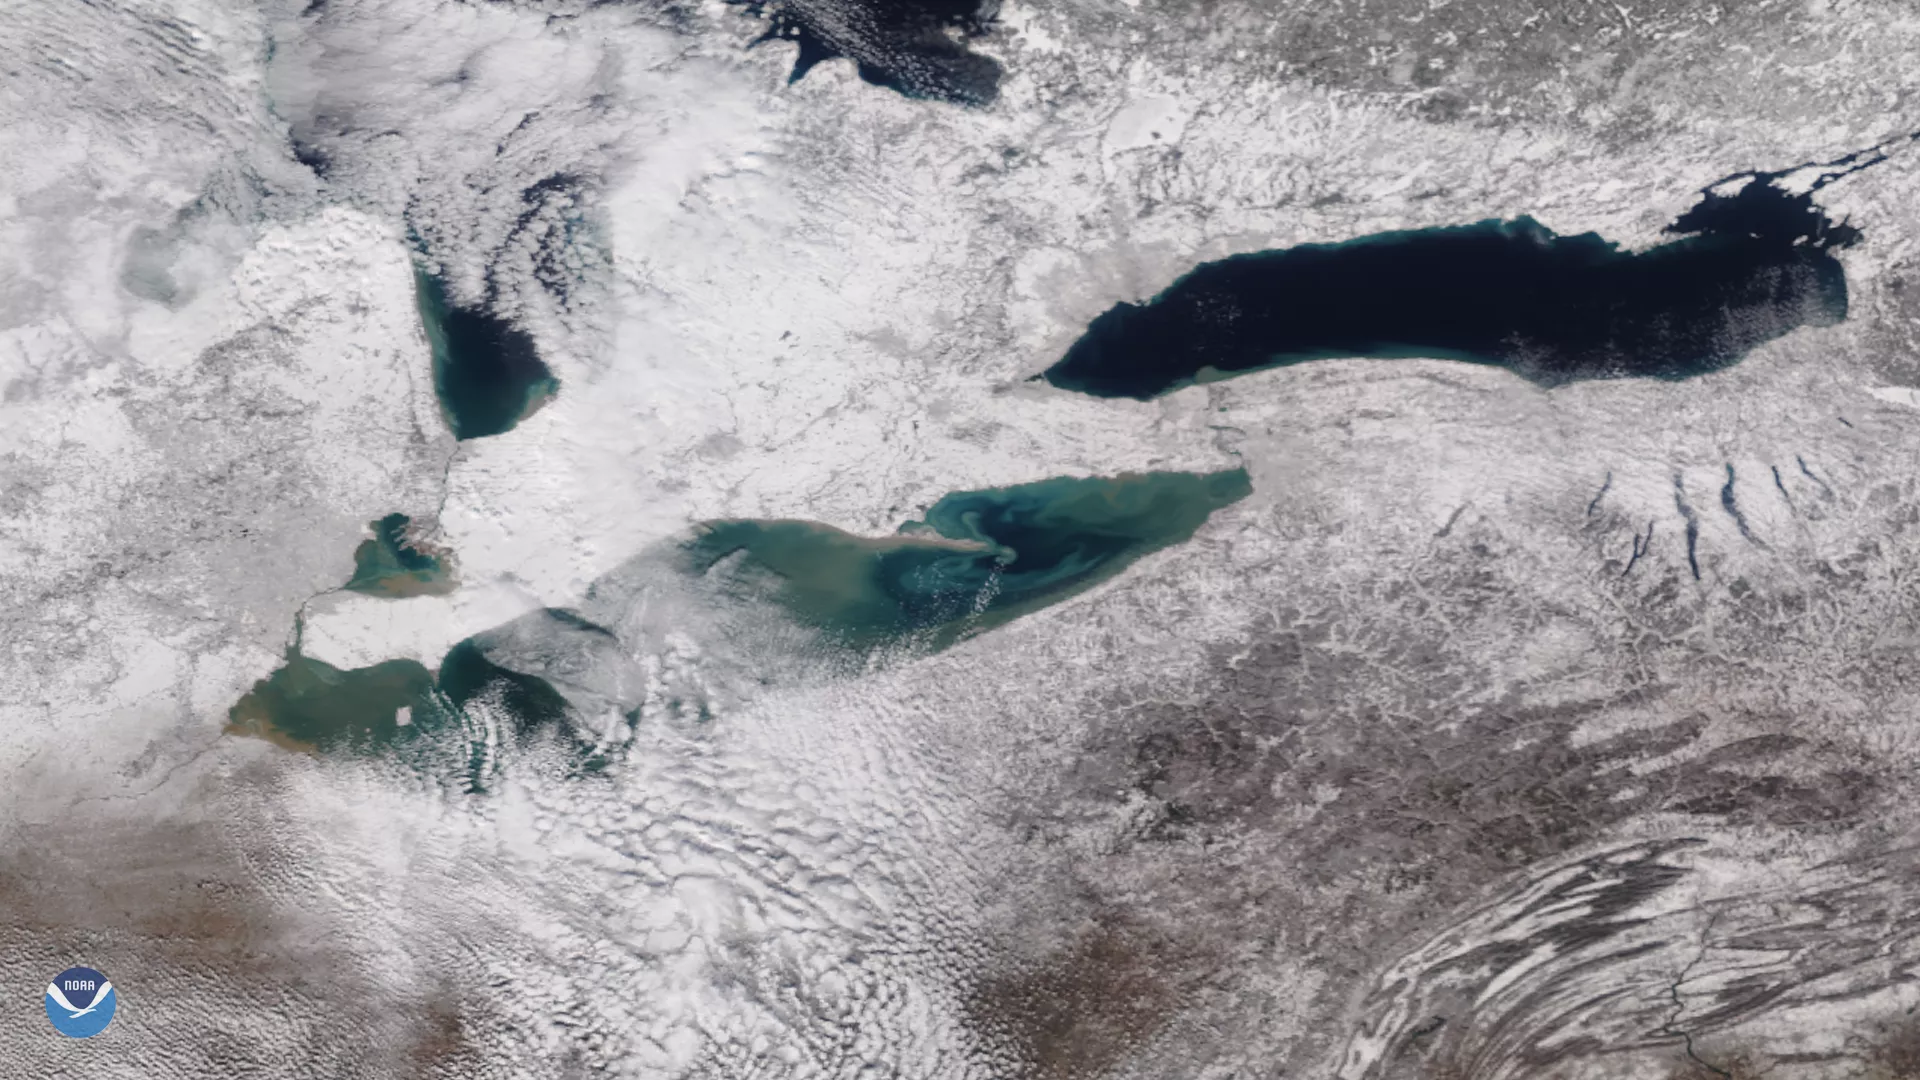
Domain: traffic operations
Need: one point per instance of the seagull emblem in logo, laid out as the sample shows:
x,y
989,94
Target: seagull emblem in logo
x,y
60,999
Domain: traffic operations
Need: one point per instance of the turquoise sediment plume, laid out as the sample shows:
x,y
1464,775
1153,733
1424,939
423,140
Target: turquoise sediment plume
x,y
978,560
391,565
486,371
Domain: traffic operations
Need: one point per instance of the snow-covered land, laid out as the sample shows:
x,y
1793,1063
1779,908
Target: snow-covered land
x,y
1502,732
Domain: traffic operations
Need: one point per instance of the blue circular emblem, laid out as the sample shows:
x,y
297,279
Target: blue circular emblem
x,y
80,1002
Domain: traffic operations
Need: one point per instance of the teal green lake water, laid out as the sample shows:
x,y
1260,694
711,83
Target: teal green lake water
x,y
978,560
390,565
313,706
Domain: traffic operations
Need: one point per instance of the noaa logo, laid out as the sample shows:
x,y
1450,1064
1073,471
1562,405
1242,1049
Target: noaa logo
x,y
80,1002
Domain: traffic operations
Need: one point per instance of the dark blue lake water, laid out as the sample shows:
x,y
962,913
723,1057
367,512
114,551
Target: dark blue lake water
x,y
914,47
486,371
1747,268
